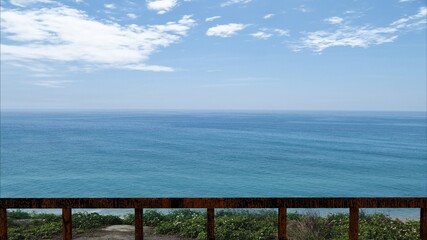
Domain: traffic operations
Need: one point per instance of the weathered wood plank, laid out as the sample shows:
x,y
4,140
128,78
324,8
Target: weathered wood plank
x,y
213,202
282,224
67,233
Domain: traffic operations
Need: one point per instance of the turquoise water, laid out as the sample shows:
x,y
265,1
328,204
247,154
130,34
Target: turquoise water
x,y
202,154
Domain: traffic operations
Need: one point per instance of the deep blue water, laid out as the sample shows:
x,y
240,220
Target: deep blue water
x,y
178,154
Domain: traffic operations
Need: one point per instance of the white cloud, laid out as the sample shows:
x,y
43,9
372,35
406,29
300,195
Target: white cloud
x,y
63,34
210,19
110,6
402,1
52,83
154,68
232,2
348,36
414,21
261,35
161,6
363,36
268,16
131,15
226,30
24,3
45,75
266,33
281,32
349,12
37,67
334,20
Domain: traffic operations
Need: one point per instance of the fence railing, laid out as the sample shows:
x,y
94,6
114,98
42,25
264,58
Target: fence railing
x,y
282,204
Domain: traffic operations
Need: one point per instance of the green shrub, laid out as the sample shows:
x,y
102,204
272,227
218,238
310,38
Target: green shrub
x,y
18,214
153,218
85,221
380,226
129,219
229,225
184,223
36,229
236,225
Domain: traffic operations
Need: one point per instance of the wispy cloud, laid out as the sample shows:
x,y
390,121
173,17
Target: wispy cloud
x,y
232,2
266,33
349,12
402,1
226,30
361,36
154,68
46,75
347,36
52,83
210,19
24,3
415,21
131,15
268,16
261,35
281,32
334,20
64,34
161,6
36,67
110,6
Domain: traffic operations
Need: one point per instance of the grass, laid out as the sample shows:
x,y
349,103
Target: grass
x,y
228,225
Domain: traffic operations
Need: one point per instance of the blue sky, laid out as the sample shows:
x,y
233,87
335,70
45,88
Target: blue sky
x,y
214,55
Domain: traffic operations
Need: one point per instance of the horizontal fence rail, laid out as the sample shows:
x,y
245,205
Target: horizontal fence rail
x,y
282,204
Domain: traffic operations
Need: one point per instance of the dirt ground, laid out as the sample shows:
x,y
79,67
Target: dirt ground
x,y
122,232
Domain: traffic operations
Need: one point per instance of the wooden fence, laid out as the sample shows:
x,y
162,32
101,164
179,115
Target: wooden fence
x,y
282,204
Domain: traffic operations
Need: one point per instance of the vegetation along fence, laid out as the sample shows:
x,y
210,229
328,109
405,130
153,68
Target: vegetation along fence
x,y
66,204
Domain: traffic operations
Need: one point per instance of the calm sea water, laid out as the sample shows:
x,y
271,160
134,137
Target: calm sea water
x,y
200,154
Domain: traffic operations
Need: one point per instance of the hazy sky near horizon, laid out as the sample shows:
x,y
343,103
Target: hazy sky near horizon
x,y
214,55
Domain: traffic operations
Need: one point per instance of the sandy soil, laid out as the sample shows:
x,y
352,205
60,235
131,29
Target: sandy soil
x,y
122,232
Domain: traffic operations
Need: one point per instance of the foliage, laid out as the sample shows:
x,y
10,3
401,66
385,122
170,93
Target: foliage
x,y
184,223
85,221
263,225
246,225
153,218
379,226
228,225
18,214
26,226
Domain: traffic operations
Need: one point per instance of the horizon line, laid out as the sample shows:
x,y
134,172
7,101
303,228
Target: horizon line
x,y
198,110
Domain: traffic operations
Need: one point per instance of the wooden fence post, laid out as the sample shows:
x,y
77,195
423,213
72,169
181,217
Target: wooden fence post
x,y
423,224
139,224
67,233
211,224
3,224
282,224
354,224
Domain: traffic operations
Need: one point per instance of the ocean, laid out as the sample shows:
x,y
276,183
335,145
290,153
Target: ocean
x,y
213,154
